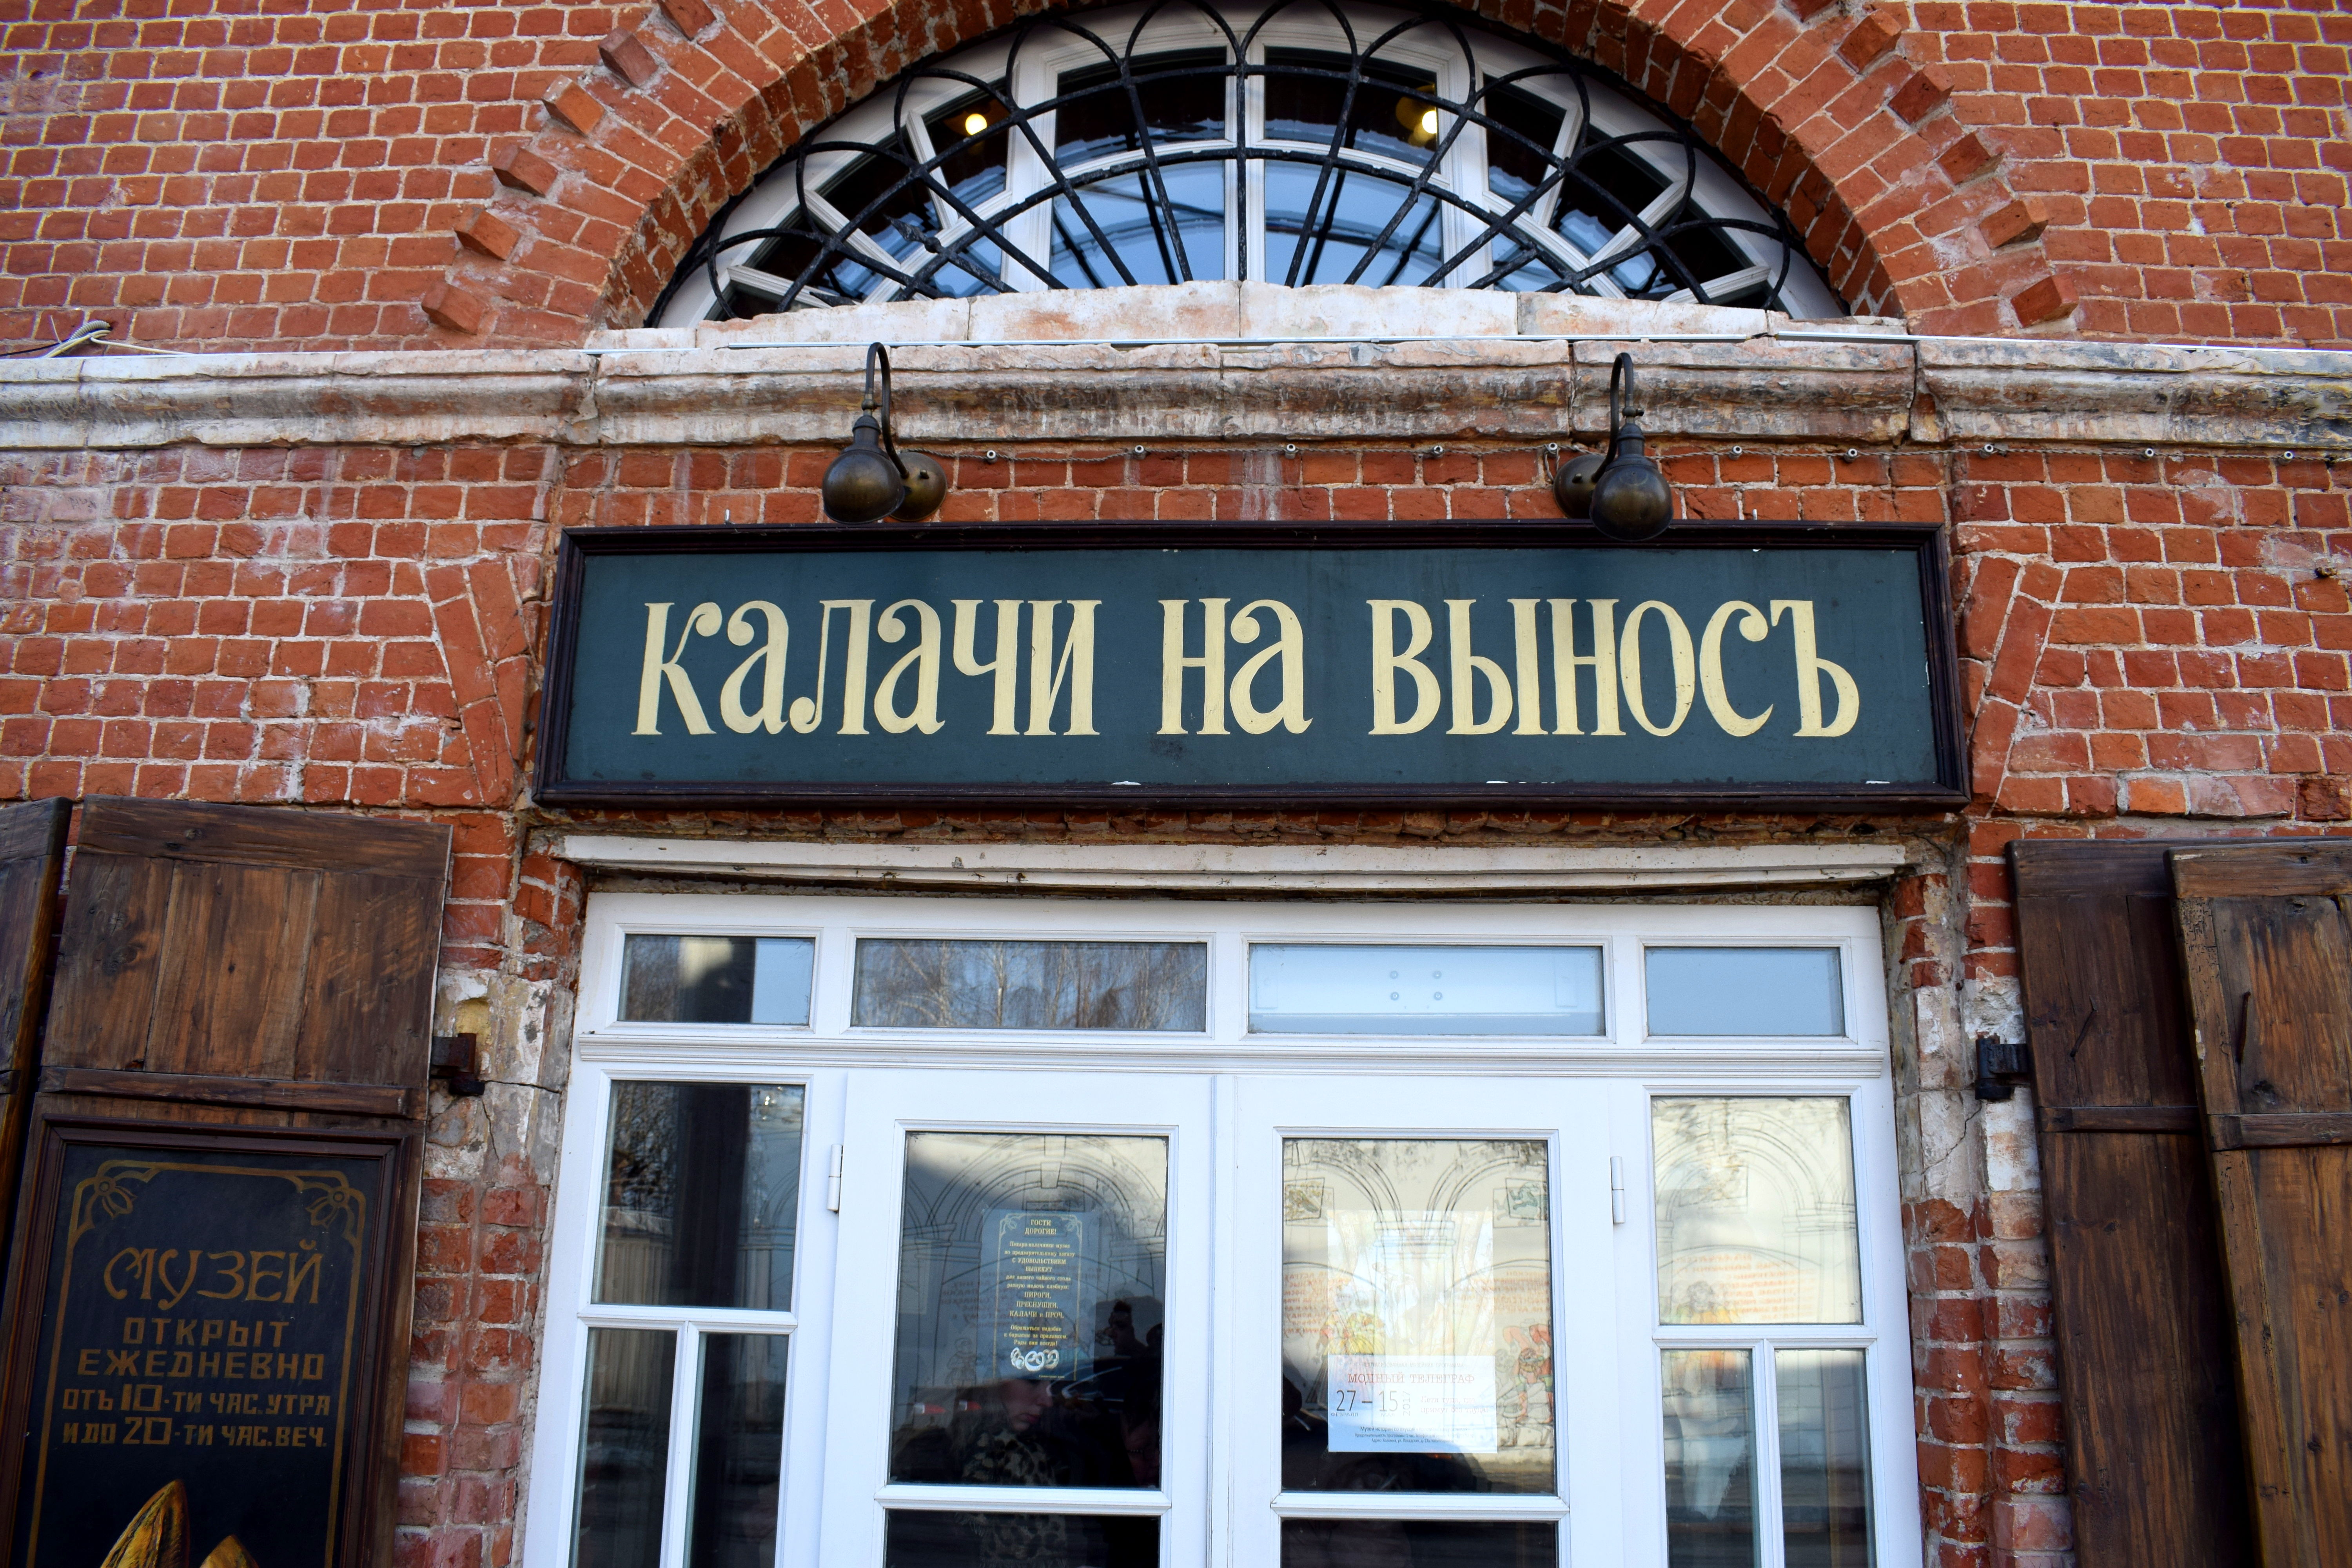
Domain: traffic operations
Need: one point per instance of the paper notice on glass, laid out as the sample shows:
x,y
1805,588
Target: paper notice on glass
x,y
1039,1261
1410,1403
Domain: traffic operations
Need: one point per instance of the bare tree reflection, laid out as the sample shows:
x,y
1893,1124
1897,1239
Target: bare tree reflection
x,y
929,984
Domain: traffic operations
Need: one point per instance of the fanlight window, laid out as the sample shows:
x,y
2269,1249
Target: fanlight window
x,y
1301,143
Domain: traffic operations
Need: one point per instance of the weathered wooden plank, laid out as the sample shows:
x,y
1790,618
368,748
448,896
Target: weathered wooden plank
x,y
2121,1119
263,836
2266,943
110,960
207,1088
2141,1311
2282,1130
32,851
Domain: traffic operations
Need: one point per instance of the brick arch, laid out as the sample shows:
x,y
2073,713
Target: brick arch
x,y
1844,123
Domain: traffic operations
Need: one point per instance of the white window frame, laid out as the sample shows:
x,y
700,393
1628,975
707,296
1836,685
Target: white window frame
x,y
1612,1498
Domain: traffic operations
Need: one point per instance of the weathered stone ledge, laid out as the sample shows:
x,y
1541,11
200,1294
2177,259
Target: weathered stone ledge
x,y
1766,387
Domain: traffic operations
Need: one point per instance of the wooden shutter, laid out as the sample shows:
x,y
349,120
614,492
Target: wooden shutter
x,y
244,994
2266,936
2152,1438
32,851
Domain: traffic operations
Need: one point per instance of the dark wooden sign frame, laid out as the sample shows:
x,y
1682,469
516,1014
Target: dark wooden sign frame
x,y
1924,541
380,1364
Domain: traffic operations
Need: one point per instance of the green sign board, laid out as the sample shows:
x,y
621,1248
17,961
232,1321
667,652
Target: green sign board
x,y
1253,663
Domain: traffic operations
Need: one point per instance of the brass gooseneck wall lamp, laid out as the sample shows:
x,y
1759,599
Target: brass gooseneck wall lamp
x,y
872,479
1620,490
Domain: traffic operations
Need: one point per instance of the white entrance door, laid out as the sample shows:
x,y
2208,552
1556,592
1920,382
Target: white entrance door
x,y
1023,1312
1412,1255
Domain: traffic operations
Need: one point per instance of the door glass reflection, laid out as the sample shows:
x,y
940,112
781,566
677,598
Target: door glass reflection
x,y
1417,1543
944,1539
1031,1273
1824,1458
737,1451
909,984
1756,1219
625,1448
701,1195
1416,1316
1710,1459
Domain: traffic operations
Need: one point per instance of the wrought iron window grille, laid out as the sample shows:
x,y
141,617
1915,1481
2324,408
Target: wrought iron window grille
x,y
1301,142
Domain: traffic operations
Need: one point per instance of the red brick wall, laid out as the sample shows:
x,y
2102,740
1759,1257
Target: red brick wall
x,y
396,176
2151,646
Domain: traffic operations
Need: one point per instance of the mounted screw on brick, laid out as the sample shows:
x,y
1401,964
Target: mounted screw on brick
x,y
518,166
2019,221
571,107
491,235
627,58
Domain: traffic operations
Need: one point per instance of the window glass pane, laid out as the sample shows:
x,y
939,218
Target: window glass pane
x,y
1349,228
923,984
1824,1458
1416,1315
1031,1272
1710,1459
737,1451
1417,1543
701,1195
715,979
624,1448
1424,990
928,1540
1391,112
1755,1217
1179,240
1182,96
1745,991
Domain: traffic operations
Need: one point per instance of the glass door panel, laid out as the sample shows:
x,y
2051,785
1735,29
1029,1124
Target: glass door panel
x,y
1025,1261
1399,1292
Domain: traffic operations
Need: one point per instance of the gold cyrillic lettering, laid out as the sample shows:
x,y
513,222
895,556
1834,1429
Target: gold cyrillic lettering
x,y
1629,666
262,1271
1387,661
1005,666
304,1268
1461,665
1076,662
1526,652
1290,648
1602,658
702,620
1810,667
1755,629
234,1269
142,1260
770,657
924,657
173,1297
808,712
1211,664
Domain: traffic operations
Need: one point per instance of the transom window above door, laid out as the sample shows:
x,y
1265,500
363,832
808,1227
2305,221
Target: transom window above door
x,y
1300,143
1039,1233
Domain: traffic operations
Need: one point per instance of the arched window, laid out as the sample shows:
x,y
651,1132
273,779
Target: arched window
x,y
1304,141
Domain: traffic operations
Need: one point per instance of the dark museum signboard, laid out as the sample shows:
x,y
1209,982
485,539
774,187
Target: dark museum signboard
x,y
206,1364
1267,664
